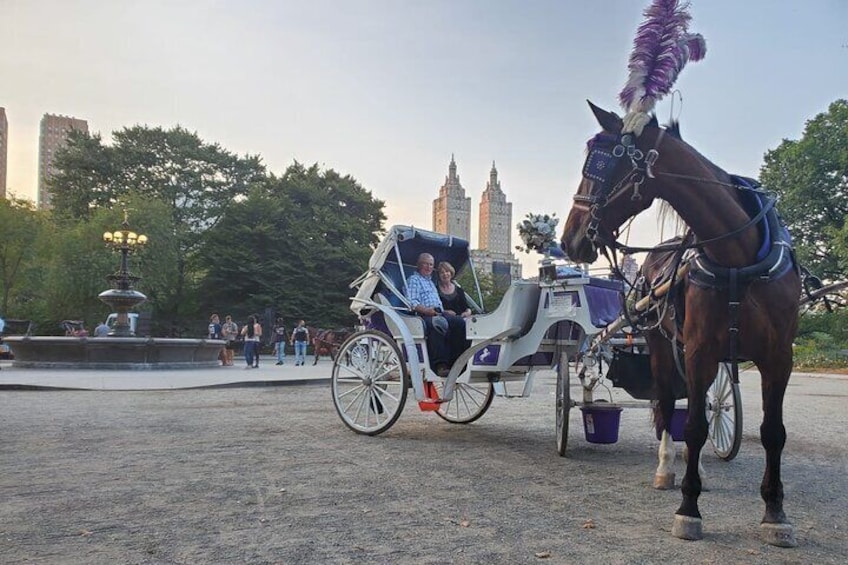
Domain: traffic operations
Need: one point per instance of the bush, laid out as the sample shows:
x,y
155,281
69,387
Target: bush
x,y
821,342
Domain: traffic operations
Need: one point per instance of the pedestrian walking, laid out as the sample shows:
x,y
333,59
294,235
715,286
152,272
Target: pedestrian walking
x,y
252,333
229,331
280,341
299,339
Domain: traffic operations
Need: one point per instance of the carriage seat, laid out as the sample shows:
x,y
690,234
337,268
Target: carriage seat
x,y
412,321
517,311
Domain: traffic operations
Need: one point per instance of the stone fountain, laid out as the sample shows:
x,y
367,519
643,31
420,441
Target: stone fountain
x,y
121,349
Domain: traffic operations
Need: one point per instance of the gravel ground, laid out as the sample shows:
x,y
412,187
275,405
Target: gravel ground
x,y
271,475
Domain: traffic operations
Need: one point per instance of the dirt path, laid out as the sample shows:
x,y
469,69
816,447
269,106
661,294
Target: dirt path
x,y
271,475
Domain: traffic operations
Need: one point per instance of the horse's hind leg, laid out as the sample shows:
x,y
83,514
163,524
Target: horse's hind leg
x,y
664,373
776,529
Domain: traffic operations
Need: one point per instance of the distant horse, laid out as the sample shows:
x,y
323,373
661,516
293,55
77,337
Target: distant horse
x,y
737,303
326,342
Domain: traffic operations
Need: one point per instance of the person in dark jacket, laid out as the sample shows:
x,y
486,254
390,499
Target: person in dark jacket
x,y
280,341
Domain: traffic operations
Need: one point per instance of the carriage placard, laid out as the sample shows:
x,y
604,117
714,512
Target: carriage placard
x,y
562,304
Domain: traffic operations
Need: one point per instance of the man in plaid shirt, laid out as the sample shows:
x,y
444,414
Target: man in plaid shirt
x,y
424,299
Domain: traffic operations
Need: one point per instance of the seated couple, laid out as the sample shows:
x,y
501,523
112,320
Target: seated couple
x,y
443,308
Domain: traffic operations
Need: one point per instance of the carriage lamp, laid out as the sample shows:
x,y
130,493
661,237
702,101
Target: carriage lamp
x,y
122,297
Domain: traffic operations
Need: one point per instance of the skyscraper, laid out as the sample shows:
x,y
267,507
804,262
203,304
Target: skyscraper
x,y
494,253
4,150
495,216
53,136
452,209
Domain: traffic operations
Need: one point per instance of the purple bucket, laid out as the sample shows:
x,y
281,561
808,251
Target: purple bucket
x,y
600,422
678,423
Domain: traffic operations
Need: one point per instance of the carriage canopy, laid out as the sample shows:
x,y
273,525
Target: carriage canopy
x,y
395,259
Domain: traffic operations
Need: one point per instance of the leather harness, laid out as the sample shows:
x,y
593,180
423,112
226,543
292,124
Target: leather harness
x,y
776,257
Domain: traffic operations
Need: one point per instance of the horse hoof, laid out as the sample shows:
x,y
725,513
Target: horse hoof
x,y
687,527
780,535
664,482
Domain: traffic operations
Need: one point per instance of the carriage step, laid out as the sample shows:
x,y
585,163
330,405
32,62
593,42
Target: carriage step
x,y
432,402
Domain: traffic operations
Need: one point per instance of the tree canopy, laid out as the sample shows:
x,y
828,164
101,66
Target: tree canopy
x,y
811,177
19,230
224,234
294,245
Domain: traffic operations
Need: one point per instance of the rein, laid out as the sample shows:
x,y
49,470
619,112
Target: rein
x,y
599,167
700,243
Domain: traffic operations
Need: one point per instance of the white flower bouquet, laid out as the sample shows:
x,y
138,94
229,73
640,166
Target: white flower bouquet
x,y
537,232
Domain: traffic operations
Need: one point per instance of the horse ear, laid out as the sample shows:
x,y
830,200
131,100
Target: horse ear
x,y
608,120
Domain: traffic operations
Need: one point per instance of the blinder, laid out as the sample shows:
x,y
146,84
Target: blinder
x,y
606,151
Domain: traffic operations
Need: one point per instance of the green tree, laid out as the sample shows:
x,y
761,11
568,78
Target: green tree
x,y
74,266
197,181
293,245
20,226
811,177
86,177
492,289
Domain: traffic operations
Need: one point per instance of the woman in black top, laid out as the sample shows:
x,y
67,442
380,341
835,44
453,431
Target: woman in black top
x,y
452,295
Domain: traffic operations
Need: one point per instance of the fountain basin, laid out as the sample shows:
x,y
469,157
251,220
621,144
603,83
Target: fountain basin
x,y
113,353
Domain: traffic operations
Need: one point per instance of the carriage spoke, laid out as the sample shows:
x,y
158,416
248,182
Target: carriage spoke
x,y
385,393
464,397
469,402
354,371
363,400
355,389
360,391
372,405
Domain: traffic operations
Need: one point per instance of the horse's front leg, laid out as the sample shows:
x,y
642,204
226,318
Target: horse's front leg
x,y
701,472
776,529
687,520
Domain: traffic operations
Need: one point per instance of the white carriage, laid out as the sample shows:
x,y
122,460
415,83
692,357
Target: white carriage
x,y
547,323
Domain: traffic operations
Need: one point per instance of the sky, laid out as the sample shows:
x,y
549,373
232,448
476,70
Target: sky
x,y
387,90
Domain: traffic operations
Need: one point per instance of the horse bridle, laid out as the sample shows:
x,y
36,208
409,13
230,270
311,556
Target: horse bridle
x,y
606,152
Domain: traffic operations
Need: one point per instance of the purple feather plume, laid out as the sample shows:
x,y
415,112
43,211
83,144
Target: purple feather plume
x,y
661,49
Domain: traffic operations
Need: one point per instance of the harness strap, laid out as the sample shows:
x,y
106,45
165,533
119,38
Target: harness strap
x,y
733,311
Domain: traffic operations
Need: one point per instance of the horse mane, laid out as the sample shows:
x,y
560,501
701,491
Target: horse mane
x,y
673,129
666,215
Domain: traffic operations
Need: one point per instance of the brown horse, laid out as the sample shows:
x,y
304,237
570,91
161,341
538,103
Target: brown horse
x,y
742,311
326,342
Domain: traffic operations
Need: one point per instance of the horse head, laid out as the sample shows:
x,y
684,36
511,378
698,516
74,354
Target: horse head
x,y
614,187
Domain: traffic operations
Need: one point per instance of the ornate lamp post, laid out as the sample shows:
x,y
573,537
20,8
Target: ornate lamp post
x,y
122,297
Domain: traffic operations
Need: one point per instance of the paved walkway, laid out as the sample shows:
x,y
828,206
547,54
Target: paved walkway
x,y
268,374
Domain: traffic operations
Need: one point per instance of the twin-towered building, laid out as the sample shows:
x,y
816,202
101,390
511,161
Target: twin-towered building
x,y
452,215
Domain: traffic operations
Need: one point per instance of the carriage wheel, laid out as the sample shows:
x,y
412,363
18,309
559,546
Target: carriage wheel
x,y
563,404
469,402
724,414
369,382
